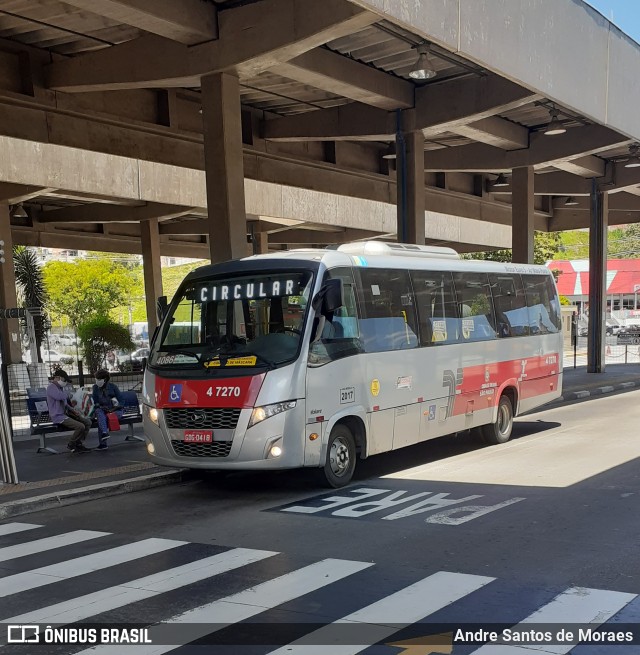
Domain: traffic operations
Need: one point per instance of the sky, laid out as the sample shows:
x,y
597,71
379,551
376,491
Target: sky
x,y
624,13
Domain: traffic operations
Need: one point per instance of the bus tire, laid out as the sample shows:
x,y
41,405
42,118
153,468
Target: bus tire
x,y
500,431
341,457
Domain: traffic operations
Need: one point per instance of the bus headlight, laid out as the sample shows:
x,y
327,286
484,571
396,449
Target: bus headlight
x,y
261,413
152,413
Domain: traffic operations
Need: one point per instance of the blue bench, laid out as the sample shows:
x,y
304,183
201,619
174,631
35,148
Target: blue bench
x,y
42,425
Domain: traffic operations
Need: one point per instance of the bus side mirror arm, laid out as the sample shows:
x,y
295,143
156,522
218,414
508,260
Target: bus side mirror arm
x,y
162,307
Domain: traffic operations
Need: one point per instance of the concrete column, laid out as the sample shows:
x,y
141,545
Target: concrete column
x,y
597,279
411,192
150,239
260,243
224,166
9,328
522,214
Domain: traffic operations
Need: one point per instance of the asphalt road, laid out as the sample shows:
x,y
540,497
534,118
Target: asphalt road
x,y
544,528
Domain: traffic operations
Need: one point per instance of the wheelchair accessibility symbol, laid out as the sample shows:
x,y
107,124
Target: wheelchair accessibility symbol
x,y
175,393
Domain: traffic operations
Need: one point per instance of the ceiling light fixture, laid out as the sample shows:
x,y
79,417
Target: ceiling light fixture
x,y
571,202
390,152
555,126
423,68
634,156
500,181
19,211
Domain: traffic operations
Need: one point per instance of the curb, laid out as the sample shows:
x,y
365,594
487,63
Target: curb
x,y
589,393
93,492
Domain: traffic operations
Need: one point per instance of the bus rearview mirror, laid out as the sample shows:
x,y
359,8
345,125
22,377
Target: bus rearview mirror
x,y
329,298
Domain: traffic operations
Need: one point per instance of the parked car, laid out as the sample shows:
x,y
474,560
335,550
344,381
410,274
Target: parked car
x,y
140,354
63,340
127,363
54,358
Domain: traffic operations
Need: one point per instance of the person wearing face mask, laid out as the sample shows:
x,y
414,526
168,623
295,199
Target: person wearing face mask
x,y
63,414
107,398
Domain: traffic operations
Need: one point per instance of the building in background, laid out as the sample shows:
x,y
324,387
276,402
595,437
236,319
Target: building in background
x,y
622,286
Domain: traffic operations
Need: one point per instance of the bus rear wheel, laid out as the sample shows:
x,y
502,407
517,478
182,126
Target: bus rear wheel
x,y
500,431
341,457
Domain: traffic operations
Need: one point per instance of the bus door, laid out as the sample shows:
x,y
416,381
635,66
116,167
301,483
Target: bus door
x,y
392,375
334,377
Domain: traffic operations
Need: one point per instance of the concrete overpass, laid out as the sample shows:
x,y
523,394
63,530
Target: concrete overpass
x,y
182,126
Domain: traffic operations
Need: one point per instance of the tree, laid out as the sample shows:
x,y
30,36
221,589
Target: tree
x,y
545,247
31,289
85,289
99,335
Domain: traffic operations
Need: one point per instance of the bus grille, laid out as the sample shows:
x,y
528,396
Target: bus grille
x,y
215,449
201,418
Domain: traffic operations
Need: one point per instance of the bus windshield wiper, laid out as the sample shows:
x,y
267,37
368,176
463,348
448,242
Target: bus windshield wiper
x,y
261,358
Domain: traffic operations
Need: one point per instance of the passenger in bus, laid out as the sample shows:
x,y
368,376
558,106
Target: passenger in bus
x,y
108,399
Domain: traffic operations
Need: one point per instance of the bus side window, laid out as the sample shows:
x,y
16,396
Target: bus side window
x,y
478,321
510,304
388,319
541,303
436,304
340,336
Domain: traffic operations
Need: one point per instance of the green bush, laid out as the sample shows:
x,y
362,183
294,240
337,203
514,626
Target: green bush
x,y
98,336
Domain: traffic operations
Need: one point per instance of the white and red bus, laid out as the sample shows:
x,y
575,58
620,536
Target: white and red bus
x,y
315,358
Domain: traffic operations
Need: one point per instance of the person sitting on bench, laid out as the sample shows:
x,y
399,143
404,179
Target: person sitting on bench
x,y
63,414
108,400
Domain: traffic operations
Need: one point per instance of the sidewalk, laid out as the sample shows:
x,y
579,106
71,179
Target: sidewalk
x,y
54,480
48,480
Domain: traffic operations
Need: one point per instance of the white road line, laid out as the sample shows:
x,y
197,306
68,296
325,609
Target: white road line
x,y
82,607
607,389
46,575
247,603
582,394
12,528
48,543
576,605
390,614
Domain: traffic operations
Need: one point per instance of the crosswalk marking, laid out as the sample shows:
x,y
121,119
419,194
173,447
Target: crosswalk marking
x,y
46,575
390,614
12,528
78,609
576,605
247,603
372,624
48,543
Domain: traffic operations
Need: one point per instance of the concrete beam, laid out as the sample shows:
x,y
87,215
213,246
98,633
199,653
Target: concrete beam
x,y
495,131
104,213
187,21
446,107
543,151
338,74
587,166
551,184
572,219
353,122
623,177
622,202
253,38
12,194
310,237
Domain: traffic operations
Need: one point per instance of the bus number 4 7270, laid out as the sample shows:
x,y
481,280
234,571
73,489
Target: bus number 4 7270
x,y
224,392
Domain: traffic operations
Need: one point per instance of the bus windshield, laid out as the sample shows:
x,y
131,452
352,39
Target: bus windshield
x,y
244,321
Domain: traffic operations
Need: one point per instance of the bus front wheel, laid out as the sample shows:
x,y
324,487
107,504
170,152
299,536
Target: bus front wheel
x,y
500,431
341,457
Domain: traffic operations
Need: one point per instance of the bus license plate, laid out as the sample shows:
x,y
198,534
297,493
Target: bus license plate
x,y
198,436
